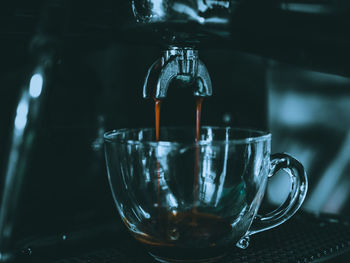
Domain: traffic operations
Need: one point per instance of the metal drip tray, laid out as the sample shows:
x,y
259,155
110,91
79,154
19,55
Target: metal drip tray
x,y
305,238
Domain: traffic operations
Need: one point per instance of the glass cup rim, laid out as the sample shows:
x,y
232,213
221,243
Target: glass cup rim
x,y
259,135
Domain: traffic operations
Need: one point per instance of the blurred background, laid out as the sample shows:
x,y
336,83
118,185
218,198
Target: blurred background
x,y
88,71
309,118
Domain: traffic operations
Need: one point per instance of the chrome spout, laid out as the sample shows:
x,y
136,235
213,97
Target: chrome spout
x,y
203,87
177,63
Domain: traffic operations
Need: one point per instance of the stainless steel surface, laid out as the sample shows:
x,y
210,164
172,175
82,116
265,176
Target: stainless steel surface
x,y
200,11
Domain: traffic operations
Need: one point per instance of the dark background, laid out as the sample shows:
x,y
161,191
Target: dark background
x,y
95,85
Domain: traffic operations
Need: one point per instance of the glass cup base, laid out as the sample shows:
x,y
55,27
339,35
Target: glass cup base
x,y
202,260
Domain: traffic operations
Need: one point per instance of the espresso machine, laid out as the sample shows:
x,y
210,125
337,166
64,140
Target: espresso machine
x,y
73,70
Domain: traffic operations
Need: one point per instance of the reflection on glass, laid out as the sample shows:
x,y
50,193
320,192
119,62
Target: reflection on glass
x,y
36,85
21,114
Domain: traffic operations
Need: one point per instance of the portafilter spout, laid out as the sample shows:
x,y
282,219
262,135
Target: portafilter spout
x,y
180,63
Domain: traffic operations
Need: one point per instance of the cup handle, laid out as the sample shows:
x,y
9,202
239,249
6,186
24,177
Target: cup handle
x,y
293,202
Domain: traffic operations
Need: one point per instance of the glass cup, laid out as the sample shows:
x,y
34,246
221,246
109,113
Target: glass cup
x,y
191,201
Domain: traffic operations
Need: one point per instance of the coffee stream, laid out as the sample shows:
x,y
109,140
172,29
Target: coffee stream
x,y
173,235
157,104
185,226
199,101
